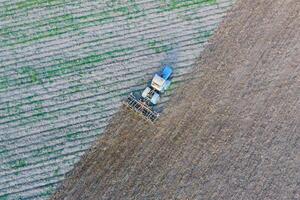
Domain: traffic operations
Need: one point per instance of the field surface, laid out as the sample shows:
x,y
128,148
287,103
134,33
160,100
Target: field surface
x,y
231,133
65,65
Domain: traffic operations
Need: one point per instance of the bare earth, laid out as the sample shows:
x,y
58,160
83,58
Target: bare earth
x,y
231,133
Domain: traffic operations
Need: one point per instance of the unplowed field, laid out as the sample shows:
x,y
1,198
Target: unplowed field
x,y
232,133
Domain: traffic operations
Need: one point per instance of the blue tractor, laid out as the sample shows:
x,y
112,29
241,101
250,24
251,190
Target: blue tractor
x,y
150,96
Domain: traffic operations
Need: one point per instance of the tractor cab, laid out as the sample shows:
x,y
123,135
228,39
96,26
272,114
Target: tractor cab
x,y
150,96
161,81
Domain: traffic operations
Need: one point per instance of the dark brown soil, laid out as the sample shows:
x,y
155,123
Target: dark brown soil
x,y
231,133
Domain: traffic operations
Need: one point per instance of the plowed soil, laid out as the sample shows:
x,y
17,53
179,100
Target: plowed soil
x,y
231,133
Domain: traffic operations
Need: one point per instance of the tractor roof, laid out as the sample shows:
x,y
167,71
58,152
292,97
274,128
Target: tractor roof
x,y
167,72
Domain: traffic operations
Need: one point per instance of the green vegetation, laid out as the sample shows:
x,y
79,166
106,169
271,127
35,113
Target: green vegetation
x,y
56,171
43,150
17,164
3,151
158,46
47,192
37,105
19,107
177,4
66,23
206,34
76,64
40,75
25,5
31,73
131,7
34,3
3,83
203,35
72,136
4,197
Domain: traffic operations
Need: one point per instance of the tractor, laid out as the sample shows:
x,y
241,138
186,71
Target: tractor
x,y
144,102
